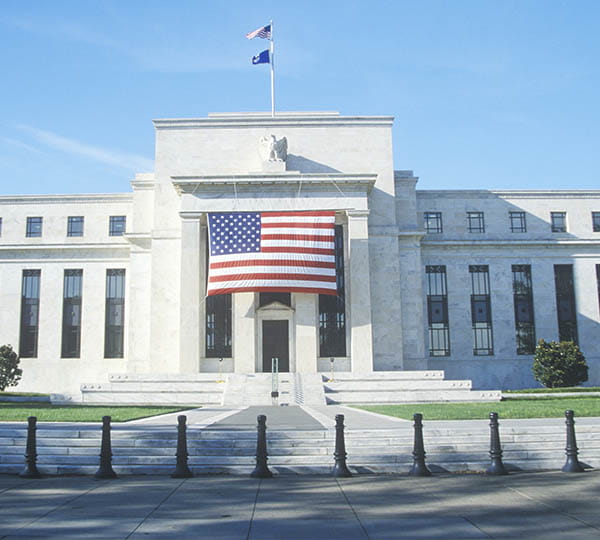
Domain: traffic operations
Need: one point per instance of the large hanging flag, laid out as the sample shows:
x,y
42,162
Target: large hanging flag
x,y
272,252
262,58
262,32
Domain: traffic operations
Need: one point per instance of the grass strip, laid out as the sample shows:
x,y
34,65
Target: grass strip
x,y
525,408
554,390
22,394
46,412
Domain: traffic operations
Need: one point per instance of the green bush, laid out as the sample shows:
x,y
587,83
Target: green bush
x,y
559,364
10,373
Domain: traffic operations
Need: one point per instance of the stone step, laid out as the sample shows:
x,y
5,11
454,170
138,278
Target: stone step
x,y
385,375
395,386
413,396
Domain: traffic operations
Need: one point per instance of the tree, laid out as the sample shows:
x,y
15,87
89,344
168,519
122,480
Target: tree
x,y
559,364
10,373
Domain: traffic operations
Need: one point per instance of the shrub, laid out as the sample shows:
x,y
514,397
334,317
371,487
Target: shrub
x,y
559,364
10,373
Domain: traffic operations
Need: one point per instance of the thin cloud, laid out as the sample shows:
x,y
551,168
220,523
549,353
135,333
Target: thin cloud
x,y
20,144
116,158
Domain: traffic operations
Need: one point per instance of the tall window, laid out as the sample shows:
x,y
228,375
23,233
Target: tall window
x,y
523,300
218,326
30,304
437,311
595,221
565,302
114,324
598,281
116,225
71,328
517,222
481,310
433,222
0,226
558,221
75,226
34,227
332,311
475,222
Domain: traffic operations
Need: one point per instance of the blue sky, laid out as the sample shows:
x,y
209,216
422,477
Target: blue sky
x,y
486,94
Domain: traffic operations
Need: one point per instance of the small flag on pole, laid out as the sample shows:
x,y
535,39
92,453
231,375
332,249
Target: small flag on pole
x,y
263,32
262,58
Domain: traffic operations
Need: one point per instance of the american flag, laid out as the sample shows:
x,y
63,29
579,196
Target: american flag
x,y
272,251
262,32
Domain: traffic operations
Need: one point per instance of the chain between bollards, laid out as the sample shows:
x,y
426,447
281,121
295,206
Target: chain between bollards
x,y
340,469
496,466
181,469
572,464
419,468
261,470
30,470
105,470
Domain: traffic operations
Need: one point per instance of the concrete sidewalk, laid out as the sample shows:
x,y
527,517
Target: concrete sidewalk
x,y
525,505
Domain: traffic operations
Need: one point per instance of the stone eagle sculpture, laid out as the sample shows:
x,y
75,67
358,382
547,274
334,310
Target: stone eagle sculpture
x,y
272,149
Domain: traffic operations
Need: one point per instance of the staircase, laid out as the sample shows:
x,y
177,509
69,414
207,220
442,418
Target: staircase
x,y
205,389
151,450
400,387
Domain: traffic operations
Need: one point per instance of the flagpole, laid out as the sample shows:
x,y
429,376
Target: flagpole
x,y
272,73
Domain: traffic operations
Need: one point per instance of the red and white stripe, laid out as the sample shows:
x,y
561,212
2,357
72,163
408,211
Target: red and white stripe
x,y
297,255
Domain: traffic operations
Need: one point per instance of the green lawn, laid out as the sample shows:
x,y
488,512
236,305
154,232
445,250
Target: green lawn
x,y
45,412
547,407
554,390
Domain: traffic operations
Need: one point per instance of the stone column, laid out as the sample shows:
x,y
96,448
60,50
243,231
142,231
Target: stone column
x,y
191,293
244,333
358,298
306,336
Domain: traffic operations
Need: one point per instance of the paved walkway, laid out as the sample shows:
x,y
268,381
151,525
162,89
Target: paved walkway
x,y
524,505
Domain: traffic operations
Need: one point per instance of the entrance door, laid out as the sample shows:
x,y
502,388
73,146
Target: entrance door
x,y
275,343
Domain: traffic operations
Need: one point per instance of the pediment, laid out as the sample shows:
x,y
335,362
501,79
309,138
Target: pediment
x,y
275,306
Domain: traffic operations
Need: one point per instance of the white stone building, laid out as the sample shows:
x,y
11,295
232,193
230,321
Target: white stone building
x,y
461,281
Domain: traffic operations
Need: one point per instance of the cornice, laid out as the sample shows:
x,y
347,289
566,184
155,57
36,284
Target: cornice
x,y
512,243
363,182
510,194
310,119
70,199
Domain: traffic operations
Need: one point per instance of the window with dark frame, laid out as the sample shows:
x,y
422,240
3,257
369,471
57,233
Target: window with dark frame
x,y
75,226
437,311
114,324
433,222
518,222
596,221
475,222
332,310
558,222
565,303
71,326
0,226
34,227
116,225
523,302
30,307
598,282
481,310
218,326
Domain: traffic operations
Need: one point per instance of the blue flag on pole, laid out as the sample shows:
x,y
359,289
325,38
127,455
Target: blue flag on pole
x,y
261,58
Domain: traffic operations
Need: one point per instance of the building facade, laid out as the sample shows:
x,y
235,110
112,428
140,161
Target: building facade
x,y
462,281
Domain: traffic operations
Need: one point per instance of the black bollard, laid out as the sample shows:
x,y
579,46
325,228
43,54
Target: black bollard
x,y
572,464
30,470
181,469
105,470
496,466
340,469
261,470
419,468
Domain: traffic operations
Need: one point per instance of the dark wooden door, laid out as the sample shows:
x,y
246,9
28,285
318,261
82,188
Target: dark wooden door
x,y
275,343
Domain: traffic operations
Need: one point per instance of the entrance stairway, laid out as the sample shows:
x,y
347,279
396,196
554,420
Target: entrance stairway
x,y
400,387
151,449
247,389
